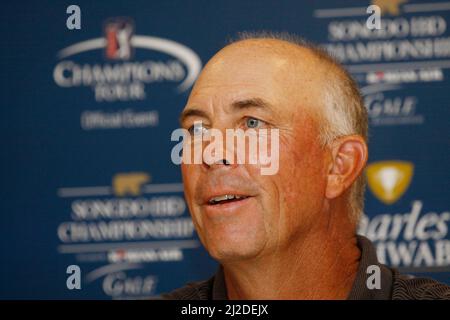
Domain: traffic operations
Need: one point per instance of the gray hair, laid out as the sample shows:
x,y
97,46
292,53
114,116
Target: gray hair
x,y
344,113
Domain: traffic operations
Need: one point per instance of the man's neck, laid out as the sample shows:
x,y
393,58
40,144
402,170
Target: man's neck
x,y
322,265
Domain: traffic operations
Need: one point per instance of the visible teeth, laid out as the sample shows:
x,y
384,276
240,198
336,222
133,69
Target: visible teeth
x,y
224,198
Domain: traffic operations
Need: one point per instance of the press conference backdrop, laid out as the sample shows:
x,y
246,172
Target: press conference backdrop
x,y
87,115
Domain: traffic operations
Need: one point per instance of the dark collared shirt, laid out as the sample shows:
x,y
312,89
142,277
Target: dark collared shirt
x,y
394,286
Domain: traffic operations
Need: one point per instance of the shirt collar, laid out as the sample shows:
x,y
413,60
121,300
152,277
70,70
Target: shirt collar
x,y
360,291
219,289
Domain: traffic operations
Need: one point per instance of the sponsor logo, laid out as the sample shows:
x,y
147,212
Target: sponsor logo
x,y
145,255
413,241
412,45
389,6
386,107
122,67
118,35
121,281
389,180
129,183
130,209
121,78
130,225
405,76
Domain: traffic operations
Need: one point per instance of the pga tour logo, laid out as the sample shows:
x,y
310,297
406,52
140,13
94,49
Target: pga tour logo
x,y
118,33
120,77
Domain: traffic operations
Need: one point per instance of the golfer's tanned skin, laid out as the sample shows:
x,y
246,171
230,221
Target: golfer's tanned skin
x,y
293,237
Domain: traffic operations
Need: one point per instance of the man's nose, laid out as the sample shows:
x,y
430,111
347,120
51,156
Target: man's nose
x,y
220,158
224,162
218,152
219,163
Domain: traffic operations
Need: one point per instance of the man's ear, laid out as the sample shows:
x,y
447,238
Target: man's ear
x,y
349,156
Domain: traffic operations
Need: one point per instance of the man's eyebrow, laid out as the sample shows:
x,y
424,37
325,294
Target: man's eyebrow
x,y
192,112
252,103
237,105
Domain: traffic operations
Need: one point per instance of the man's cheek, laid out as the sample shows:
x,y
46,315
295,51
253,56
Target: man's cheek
x,y
188,173
183,172
294,174
291,156
189,180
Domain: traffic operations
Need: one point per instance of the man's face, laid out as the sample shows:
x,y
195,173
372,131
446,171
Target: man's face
x,y
249,84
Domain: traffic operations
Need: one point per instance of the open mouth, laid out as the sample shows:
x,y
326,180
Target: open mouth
x,y
226,198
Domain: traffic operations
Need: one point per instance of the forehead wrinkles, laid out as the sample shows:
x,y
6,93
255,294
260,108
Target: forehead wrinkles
x,y
288,75
240,80
218,101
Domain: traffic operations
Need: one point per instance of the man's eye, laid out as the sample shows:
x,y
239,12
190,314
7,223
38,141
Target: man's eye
x,y
197,129
253,123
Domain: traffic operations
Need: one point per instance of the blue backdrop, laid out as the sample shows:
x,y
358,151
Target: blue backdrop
x,y
86,119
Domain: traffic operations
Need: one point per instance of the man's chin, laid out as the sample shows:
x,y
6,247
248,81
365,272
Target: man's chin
x,y
234,251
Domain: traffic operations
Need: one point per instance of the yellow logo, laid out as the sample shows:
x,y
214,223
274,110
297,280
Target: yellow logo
x,y
389,180
389,6
129,183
